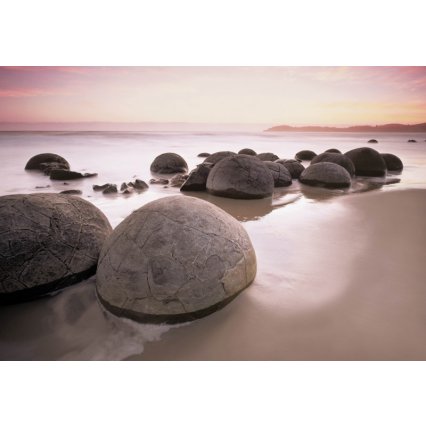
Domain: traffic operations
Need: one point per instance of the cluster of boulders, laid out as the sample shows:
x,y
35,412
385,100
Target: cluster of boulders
x,y
126,188
249,175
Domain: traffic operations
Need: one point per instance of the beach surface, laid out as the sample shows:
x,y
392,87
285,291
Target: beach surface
x,y
340,273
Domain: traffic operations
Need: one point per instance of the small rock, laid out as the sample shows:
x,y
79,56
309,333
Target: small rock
x,y
159,181
140,185
373,141
42,187
178,180
101,187
71,192
110,189
203,154
412,140
197,179
124,186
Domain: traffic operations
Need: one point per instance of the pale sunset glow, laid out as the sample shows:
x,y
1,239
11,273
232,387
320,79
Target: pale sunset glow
x,y
334,96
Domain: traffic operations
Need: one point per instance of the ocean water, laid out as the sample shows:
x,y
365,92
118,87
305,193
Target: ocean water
x,y
308,242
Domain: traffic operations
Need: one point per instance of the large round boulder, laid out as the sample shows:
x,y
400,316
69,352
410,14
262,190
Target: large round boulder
x,y
293,166
305,155
393,163
280,173
48,241
173,260
332,157
247,151
43,161
169,163
367,162
240,176
327,175
217,156
267,156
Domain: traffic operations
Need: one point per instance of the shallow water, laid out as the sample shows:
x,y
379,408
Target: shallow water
x,y
310,299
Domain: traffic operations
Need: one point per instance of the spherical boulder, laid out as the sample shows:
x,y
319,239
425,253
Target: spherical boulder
x,y
305,155
367,162
48,241
174,259
333,157
293,166
240,176
328,175
280,173
393,163
333,150
217,156
203,154
247,151
267,156
42,161
169,163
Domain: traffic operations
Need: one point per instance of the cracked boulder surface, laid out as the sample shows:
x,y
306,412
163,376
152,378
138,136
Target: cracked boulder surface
x,y
327,175
42,161
168,163
334,157
293,166
281,175
240,176
174,260
217,156
47,242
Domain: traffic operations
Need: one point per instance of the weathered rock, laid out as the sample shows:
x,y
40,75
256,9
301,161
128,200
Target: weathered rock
x,y
178,180
72,192
34,163
333,157
293,166
203,154
247,151
110,189
240,176
373,141
267,156
393,163
48,241
124,186
328,175
197,179
169,163
101,187
47,168
59,174
159,181
305,155
280,173
367,162
173,260
217,156
139,185
333,150
412,140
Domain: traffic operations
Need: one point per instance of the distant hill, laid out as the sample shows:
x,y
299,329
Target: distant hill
x,y
407,128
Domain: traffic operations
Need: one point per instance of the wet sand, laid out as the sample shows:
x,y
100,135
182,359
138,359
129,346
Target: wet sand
x,y
351,285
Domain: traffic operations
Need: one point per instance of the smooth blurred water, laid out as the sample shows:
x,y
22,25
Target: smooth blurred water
x,y
285,231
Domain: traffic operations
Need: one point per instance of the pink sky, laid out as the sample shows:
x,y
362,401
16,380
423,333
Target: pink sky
x,y
337,96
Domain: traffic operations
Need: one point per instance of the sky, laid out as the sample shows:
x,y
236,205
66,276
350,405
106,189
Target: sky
x,y
333,96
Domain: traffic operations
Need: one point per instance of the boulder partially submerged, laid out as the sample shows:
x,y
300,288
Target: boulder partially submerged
x,y
174,260
240,176
367,162
305,155
197,179
247,151
217,156
327,175
267,156
334,157
49,241
280,173
393,163
169,163
42,161
293,166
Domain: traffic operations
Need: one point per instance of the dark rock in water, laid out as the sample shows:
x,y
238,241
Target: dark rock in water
x,y
240,176
267,156
336,151
332,157
110,189
393,163
197,179
203,154
174,260
247,151
217,156
34,163
42,187
159,181
367,162
169,163
89,175
124,186
139,185
328,175
101,187
49,241
58,174
128,191
373,141
412,140
280,173
293,166
47,168
72,192
305,155
178,180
